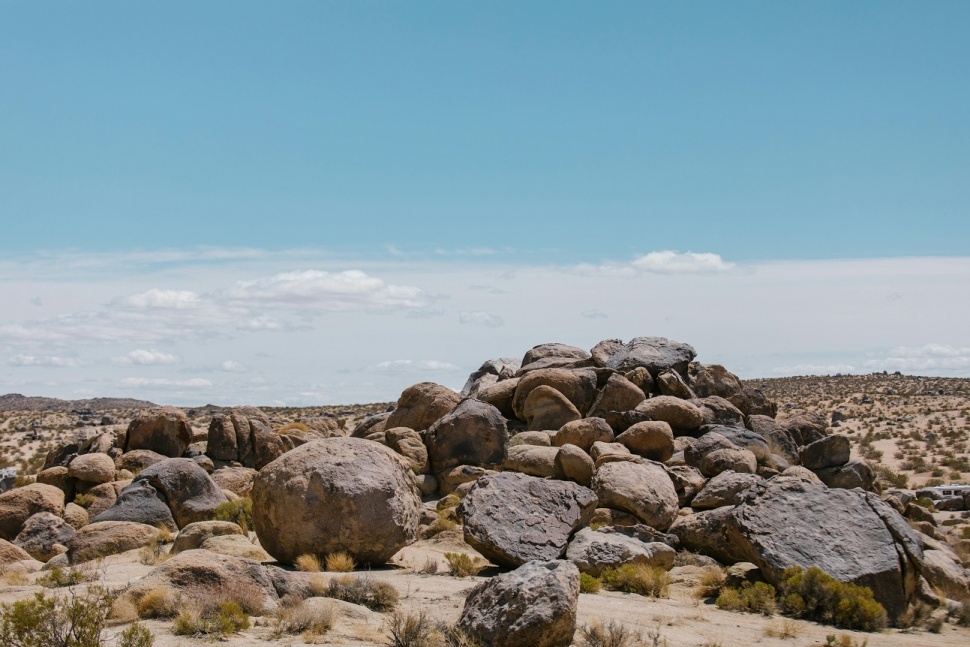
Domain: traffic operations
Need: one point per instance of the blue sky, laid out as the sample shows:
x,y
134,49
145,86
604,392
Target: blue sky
x,y
193,148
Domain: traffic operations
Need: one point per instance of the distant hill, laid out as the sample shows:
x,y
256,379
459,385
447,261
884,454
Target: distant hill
x,y
18,402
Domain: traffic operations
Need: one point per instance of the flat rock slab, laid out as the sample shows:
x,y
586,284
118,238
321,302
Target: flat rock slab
x,y
513,518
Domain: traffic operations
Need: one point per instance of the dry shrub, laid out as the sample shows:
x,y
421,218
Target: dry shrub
x,y
784,629
614,634
240,512
711,582
641,579
291,427
430,566
58,577
463,565
308,563
123,610
589,584
15,578
161,602
340,562
373,594
222,619
296,616
413,630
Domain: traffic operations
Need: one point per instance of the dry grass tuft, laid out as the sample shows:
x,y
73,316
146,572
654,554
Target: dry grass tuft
x,y
340,562
162,602
308,563
711,582
463,565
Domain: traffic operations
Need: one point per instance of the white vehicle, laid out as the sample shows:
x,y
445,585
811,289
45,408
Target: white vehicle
x,y
950,490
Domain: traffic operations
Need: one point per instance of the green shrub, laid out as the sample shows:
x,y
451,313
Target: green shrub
x,y
224,618
375,595
57,577
816,595
463,565
240,512
136,635
589,584
638,578
752,598
74,620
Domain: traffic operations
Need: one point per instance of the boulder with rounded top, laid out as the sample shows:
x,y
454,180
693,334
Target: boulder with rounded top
x,y
165,430
421,405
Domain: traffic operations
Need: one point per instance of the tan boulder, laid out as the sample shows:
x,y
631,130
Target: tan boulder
x,y
195,534
59,478
679,414
500,396
165,430
19,504
421,405
76,516
574,464
583,433
104,496
618,394
138,459
92,468
537,438
337,494
238,480
10,553
534,460
578,386
547,408
408,443
104,538
651,439
642,489
235,546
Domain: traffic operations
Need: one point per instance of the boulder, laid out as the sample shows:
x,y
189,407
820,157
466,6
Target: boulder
x,y
575,465
76,516
534,460
802,473
532,606
593,551
409,444
97,540
536,438
243,435
672,384
371,424
679,414
138,459
19,504
139,503
336,494
741,438
641,377
945,573
854,474
489,373
703,532
851,535
831,451
733,459
10,553
713,379
653,440
656,354
642,489
238,480
44,536
59,478
619,394
601,449
93,468
235,546
604,350
688,481
195,534
189,491
554,350
727,488
500,396
718,411
577,386
582,433
474,433
753,402
547,408
695,451
215,576
165,430
452,479
421,405
512,518
104,496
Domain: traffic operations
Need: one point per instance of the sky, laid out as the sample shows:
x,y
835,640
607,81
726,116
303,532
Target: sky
x,y
324,202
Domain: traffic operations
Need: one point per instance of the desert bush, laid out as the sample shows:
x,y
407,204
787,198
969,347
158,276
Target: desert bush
x,y
162,602
239,512
430,566
83,500
439,525
817,595
844,640
308,563
74,620
447,501
711,582
223,618
756,597
340,562
894,478
638,578
373,594
783,629
589,584
295,616
413,630
58,577
613,634
136,635
463,565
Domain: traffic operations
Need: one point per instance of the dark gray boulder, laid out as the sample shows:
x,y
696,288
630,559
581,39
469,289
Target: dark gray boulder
x,y
45,535
533,606
188,490
831,451
139,502
489,373
656,354
593,551
854,474
512,518
727,488
474,433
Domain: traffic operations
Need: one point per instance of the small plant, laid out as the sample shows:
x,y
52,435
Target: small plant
x,y
296,616
844,640
711,582
413,630
162,602
462,565
430,566
375,595
240,512
223,618
641,579
614,634
448,501
589,584
786,628
83,500
816,595
136,635
308,563
75,620
57,577
340,562
756,597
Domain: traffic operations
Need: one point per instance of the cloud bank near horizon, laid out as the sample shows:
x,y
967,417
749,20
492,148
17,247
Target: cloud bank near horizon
x,y
316,328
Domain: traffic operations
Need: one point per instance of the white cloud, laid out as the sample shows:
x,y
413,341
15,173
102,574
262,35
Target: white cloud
x,y
142,357
325,290
669,262
595,314
48,360
230,366
480,318
411,366
167,299
196,382
930,358
259,324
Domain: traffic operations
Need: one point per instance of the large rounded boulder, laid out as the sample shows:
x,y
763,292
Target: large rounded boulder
x,y
165,430
336,494
421,405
